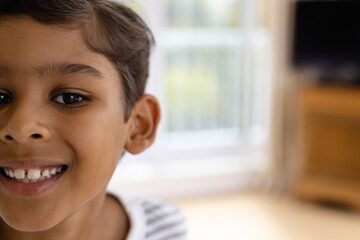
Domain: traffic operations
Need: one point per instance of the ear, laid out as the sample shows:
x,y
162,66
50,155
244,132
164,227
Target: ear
x,y
144,118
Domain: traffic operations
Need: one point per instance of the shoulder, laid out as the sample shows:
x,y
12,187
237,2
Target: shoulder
x,y
163,220
152,219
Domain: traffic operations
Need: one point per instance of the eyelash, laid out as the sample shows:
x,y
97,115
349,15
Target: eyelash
x,y
79,99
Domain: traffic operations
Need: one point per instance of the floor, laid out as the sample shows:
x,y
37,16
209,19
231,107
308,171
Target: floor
x,y
254,216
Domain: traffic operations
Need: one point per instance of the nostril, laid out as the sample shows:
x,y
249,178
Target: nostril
x,y
8,137
36,135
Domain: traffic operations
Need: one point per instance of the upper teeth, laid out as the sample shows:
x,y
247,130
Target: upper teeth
x,y
32,175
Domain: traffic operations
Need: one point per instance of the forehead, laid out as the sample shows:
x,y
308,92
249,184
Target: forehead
x,y
25,43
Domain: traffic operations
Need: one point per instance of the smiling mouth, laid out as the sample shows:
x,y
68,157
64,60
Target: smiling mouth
x,y
32,175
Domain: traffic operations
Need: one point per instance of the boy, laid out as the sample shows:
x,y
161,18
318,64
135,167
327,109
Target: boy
x,y
72,79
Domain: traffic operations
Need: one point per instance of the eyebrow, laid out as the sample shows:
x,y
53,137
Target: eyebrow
x,y
4,70
68,69
57,68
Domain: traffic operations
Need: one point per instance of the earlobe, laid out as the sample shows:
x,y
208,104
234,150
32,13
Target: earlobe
x,y
145,118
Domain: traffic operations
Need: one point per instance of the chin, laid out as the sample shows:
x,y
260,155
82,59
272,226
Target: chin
x,y
29,225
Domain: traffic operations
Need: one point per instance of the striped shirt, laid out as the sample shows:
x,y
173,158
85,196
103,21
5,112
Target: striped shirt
x,y
152,219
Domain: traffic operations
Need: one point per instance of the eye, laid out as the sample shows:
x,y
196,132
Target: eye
x,y
70,99
5,98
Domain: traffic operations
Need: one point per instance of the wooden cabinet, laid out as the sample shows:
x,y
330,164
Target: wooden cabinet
x,y
330,118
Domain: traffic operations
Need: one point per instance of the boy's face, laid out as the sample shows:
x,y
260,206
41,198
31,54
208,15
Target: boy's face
x,y
60,105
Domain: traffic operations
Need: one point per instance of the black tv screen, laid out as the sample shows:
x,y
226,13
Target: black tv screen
x,y
327,33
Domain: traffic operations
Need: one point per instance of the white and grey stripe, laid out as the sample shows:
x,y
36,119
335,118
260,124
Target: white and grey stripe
x,y
152,219
163,221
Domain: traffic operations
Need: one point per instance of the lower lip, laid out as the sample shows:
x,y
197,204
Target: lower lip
x,y
29,189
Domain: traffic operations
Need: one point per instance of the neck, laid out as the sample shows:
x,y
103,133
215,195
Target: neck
x,y
100,218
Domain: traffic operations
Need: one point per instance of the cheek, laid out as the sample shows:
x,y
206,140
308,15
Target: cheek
x,y
97,142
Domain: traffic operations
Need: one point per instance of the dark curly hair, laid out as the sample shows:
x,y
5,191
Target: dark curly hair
x,y
108,28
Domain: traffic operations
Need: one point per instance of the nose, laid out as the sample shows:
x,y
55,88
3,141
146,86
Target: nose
x,y
22,124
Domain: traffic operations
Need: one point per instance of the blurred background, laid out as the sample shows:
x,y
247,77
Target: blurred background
x,y
260,131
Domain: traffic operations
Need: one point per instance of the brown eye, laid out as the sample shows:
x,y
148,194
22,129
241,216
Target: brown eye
x,y
69,99
5,98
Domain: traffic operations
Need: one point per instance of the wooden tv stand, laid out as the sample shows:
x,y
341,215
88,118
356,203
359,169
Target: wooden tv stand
x,y
331,144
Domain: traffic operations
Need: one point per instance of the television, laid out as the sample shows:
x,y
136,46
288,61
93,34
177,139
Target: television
x,y
327,37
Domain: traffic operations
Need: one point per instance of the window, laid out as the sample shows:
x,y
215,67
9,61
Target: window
x,y
210,70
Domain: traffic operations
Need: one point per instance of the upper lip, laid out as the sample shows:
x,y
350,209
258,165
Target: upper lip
x,y
27,163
